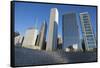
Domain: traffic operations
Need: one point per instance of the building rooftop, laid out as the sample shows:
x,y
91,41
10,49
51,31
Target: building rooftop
x,y
84,13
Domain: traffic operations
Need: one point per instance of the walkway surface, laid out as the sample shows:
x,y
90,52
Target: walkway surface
x,y
24,57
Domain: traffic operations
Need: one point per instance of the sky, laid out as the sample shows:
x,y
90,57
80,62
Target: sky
x,y
27,13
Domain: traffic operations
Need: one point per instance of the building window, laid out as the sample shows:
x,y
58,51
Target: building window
x,y
85,16
85,23
91,45
88,29
90,42
88,32
89,36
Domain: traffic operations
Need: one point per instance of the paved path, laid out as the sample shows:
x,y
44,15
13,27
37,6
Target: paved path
x,y
24,57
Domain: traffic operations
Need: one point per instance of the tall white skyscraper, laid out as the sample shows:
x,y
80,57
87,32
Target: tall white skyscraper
x,y
53,30
42,36
30,38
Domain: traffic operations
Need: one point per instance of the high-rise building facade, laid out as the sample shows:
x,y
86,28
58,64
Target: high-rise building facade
x,y
87,31
53,30
30,38
70,30
42,36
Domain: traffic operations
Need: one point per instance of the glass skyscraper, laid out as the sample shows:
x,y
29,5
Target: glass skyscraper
x,y
70,30
87,31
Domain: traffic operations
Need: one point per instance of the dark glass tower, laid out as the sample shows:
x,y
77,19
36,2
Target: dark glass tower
x,y
70,31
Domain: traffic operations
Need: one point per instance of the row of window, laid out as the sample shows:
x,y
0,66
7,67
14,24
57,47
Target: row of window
x,y
85,19
86,25
91,42
87,29
85,16
88,32
89,36
88,39
91,45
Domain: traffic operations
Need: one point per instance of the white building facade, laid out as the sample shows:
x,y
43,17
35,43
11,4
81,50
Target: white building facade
x,y
87,31
53,30
30,38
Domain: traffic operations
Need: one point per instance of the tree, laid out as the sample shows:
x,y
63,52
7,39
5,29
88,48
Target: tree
x,y
17,34
83,45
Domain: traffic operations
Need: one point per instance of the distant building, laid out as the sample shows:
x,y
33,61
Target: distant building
x,y
88,35
75,47
53,30
70,31
59,42
67,49
72,48
42,36
18,41
30,38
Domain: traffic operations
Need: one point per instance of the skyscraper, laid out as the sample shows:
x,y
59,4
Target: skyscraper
x,y
53,30
87,31
70,30
30,38
42,36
